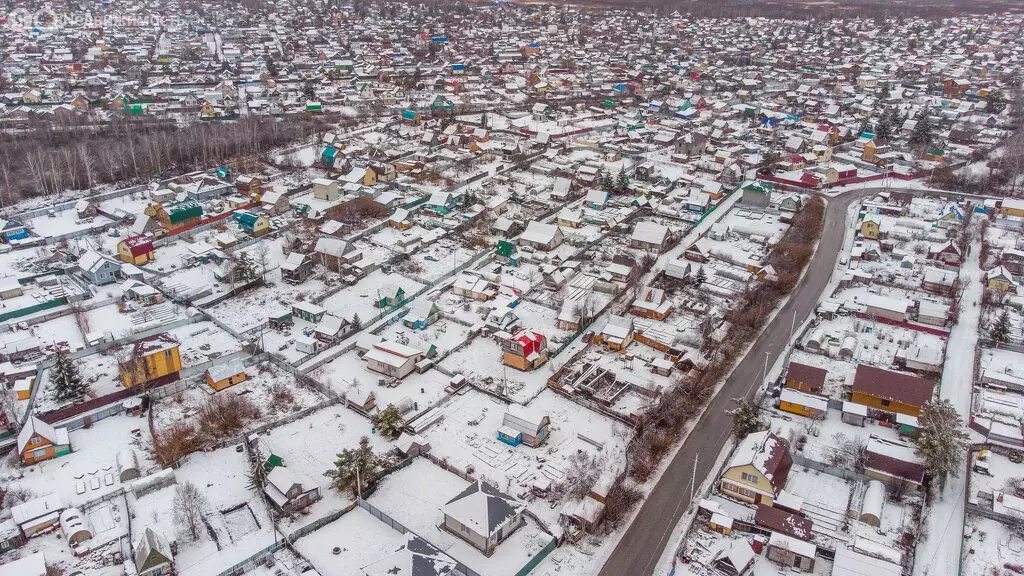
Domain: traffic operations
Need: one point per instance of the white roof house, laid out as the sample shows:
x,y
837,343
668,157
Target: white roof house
x,y
650,233
55,436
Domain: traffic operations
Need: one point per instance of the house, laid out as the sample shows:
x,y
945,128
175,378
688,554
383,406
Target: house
x,y
894,462
791,203
871,227
522,425
136,250
809,379
541,236
734,557
38,515
890,392
476,285
1010,207
791,552
296,268
332,329
757,471
153,358
649,236
152,554
275,202
802,403
362,401
850,563
308,311
699,251
177,216
288,491
652,303
363,176
999,278
389,295
757,194
252,223
85,209
697,201
98,269
570,218
335,252
10,288
442,203
785,522
400,219
221,376
938,280
32,565
326,189
392,359
12,230
249,185
617,334
948,254
483,516
506,253
596,199
39,441
950,215
525,350
422,314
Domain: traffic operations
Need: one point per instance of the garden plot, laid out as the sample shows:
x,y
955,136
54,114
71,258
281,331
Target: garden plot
x,y
66,222
202,342
273,392
444,334
439,258
542,320
454,306
221,477
349,375
239,522
359,538
990,547
308,447
373,251
110,319
466,437
90,471
873,343
359,299
481,362
414,496
99,371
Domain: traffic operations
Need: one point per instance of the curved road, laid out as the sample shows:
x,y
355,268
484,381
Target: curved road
x,y
640,548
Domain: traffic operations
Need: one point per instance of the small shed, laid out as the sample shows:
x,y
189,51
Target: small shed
x,y
855,414
127,465
790,551
871,508
223,376
510,436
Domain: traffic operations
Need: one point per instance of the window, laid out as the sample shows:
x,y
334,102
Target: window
x,y
168,355
737,489
749,478
39,453
35,440
885,402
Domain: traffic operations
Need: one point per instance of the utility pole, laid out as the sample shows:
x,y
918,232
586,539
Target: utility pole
x,y
693,480
764,372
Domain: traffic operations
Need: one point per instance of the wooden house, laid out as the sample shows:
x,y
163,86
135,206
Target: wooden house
x,y
758,469
221,376
525,350
809,379
39,441
890,392
154,358
529,426
136,250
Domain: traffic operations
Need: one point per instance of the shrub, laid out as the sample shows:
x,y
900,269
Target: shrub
x,y
226,414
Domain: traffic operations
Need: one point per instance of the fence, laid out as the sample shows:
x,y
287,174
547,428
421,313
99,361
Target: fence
x,y
538,558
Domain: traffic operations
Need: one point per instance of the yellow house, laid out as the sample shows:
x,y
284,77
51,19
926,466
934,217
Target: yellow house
x,y
891,392
999,278
153,358
224,376
1012,207
870,149
871,226
135,250
758,469
797,402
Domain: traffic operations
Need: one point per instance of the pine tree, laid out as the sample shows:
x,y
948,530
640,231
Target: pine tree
x,y
746,417
357,322
923,131
68,384
622,183
352,465
701,277
388,421
942,442
256,478
1000,330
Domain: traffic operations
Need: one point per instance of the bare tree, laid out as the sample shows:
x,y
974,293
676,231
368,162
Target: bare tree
x,y
189,507
9,408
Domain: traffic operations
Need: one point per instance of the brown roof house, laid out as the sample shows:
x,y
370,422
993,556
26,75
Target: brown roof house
x,y
892,392
805,378
758,469
894,462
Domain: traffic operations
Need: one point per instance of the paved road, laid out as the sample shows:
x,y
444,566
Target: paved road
x,y
641,546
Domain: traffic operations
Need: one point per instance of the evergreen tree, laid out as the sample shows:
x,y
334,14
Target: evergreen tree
x,y
746,417
701,277
352,464
388,421
622,183
68,384
357,322
942,442
1000,330
256,478
923,131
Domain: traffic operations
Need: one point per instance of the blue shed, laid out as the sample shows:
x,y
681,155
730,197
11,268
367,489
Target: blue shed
x,y
510,436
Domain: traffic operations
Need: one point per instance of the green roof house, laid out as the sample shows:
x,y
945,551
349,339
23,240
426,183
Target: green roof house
x,y
153,555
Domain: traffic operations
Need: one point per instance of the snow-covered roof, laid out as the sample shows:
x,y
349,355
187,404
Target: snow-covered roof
x,y
483,508
220,372
56,436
